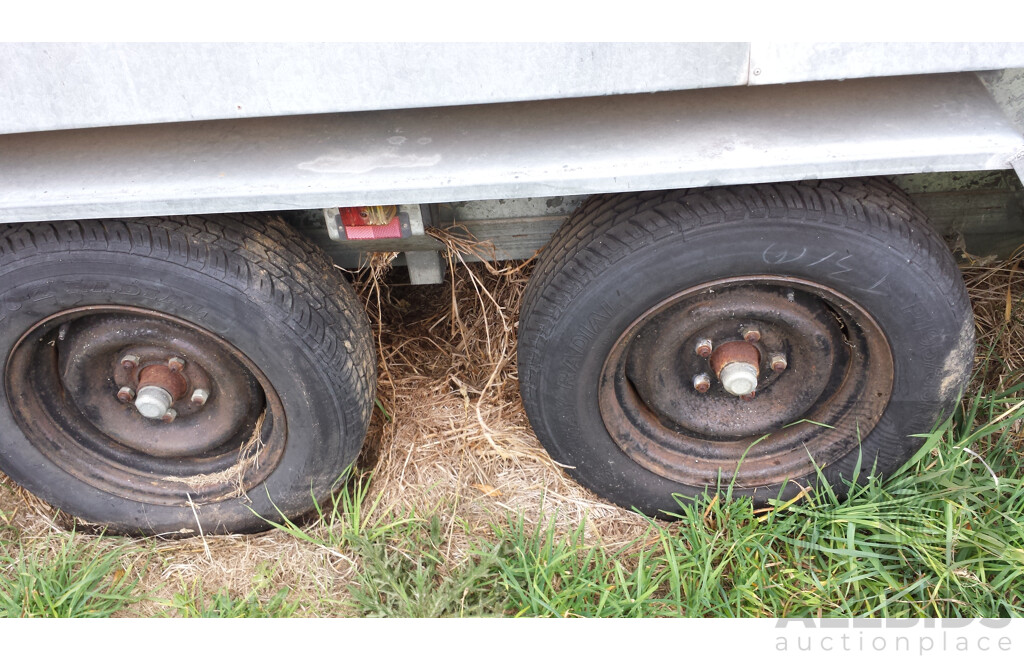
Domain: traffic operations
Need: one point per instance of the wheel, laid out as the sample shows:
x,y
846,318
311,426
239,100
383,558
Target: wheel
x,y
746,339
166,374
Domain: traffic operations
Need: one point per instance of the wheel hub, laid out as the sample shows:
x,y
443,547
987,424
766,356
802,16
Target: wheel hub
x,y
677,390
736,365
159,388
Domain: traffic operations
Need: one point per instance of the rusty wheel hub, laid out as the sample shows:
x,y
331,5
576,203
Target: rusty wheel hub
x,y
145,406
710,384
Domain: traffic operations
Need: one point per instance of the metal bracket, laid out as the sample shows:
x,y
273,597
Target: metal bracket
x,y
425,267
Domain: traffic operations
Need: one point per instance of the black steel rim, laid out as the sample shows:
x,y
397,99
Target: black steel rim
x,y
832,391
63,379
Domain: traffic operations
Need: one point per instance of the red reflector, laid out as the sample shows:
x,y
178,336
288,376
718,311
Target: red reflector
x,y
357,221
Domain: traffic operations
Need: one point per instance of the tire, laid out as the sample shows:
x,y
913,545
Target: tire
x,y
859,315
260,344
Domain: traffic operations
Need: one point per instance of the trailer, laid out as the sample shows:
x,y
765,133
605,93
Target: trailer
x,y
742,283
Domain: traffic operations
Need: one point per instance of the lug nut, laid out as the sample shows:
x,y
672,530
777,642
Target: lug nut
x,y
701,383
176,364
200,396
170,415
130,361
752,335
779,363
125,394
704,348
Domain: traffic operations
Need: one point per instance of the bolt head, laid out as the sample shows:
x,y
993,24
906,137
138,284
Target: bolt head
x,y
779,363
199,397
130,361
701,383
752,335
170,415
125,394
704,348
176,364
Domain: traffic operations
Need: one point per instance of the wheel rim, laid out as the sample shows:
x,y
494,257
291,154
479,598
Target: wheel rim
x,y
80,384
817,357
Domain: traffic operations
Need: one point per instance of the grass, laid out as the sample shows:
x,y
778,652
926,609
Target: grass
x,y
78,579
941,540
944,538
194,603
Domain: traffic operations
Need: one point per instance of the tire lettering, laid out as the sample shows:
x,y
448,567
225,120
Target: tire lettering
x,y
830,255
841,265
873,287
774,257
780,256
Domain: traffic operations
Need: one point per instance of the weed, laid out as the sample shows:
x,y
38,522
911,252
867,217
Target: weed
x,y
404,575
193,603
74,580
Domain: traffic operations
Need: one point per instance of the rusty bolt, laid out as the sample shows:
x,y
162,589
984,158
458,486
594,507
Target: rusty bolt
x,y
704,348
170,415
200,396
752,335
130,361
749,397
125,394
701,383
779,363
176,364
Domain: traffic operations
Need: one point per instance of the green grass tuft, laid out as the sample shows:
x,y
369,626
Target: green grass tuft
x,y
76,580
193,603
404,575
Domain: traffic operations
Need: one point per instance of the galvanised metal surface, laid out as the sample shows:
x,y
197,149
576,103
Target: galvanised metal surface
x,y
60,86
63,86
696,138
772,63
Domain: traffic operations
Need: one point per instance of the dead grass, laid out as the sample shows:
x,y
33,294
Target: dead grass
x,y
450,437
997,295
458,441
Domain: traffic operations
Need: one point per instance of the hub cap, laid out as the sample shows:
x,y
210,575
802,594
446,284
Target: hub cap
x,y
806,351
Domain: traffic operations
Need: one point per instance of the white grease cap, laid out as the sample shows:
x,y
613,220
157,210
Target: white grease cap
x,y
153,402
738,378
